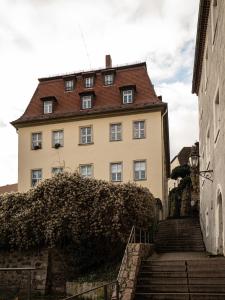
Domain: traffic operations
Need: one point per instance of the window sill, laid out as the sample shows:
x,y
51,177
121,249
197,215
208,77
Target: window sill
x,y
140,179
115,140
142,138
69,91
86,144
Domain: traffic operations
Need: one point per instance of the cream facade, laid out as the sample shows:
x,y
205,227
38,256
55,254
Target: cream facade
x,y
209,85
100,154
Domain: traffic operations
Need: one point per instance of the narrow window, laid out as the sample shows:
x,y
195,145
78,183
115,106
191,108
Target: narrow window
x,y
127,96
36,142
57,139
109,79
57,170
89,82
116,132
208,146
139,129
69,85
216,115
36,176
140,170
116,171
86,170
86,135
48,107
87,102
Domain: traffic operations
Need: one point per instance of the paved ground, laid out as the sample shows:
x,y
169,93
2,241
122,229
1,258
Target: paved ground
x,y
182,256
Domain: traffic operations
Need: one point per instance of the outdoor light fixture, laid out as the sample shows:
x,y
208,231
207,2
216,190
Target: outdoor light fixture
x,y
194,163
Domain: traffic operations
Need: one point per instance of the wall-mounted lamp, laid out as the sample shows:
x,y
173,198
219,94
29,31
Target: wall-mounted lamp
x,y
194,163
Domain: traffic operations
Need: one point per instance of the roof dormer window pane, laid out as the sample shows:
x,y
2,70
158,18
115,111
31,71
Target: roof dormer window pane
x,y
108,79
127,96
48,107
89,82
69,85
87,102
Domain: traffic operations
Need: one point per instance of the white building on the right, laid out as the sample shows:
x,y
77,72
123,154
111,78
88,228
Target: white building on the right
x,y
209,85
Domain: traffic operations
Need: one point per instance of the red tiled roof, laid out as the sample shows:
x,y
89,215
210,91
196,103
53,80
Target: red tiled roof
x,y
108,98
9,188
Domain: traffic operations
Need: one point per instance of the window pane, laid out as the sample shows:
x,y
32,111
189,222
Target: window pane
x,y
127,96
36,140
139,129
57,170
116,172
139,170
48,107
58,138
36,176
85,135
69,85
115,132
108,79
89,82
86,170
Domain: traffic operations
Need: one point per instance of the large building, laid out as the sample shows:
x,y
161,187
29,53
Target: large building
x,y
209,85
107,123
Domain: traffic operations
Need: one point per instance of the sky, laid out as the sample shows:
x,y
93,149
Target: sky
x,y
40,38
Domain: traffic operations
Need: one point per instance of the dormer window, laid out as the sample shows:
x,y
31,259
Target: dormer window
x,y
69,85
48,107
127,96
108,79
86,102
89,82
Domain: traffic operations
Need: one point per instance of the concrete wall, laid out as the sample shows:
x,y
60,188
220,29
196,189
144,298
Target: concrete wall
x,y
212,152
101,153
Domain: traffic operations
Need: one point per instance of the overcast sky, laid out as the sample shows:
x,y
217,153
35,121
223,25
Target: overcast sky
x,y
47,37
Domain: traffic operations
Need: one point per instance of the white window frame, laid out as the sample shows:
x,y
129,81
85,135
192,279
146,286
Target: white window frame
x,y
69,85
89,82
57,170
128,96
139,167
138,130
108,79
36,140
86,102
57,138
85,136
48,107
116,171
86,170
115,132
37,178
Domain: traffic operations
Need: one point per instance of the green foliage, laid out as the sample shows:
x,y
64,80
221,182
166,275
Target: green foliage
x,y
83,215
180,172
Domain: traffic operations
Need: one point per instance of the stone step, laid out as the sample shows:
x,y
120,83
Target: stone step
x,y
165,268
178,296
147,274
179,249
162,262
166,288
204,288
162,280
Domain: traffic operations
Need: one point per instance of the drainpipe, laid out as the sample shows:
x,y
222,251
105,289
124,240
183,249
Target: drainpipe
x,y
163,156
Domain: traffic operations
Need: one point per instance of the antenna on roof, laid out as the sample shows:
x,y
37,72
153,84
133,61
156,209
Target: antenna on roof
x,y
85,45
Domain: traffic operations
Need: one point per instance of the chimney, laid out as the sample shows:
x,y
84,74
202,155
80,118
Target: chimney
x,y
108,61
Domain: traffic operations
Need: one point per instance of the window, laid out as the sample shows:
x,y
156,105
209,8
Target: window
x,y
109,79
69,85
116,132
48,107
57,139
140,170
86,102
116,171
139,129
57,170
86,170
36,176
86,135
89,82
36,142
216,115
127,96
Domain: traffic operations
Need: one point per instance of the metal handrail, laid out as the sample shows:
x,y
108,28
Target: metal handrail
x,y
96,288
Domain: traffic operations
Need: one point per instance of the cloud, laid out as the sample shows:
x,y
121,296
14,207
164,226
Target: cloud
x,y
2,124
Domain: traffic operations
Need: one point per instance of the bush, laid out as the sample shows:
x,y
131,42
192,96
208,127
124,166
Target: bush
x,y
73,212
180,172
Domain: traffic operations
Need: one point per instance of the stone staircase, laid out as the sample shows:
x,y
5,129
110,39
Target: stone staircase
x,y
181,269
175,235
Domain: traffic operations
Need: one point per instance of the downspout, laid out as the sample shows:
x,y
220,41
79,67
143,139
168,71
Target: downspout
x,y
163,171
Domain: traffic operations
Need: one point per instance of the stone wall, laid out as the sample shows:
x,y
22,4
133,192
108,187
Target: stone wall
x,y
73,288
130,268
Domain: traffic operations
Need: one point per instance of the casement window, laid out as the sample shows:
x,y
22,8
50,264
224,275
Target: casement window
x,y
108,79
89,82
86,170
139,129
86,102
57,170
36,176
86,135
116,171
69,85
36,141
140,170
216,112
128,96
116,132
57,139
48,107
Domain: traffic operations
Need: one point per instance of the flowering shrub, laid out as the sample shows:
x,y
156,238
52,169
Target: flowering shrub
x,y
72,211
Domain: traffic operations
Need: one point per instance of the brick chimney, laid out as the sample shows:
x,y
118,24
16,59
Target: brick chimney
x,y
108,61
